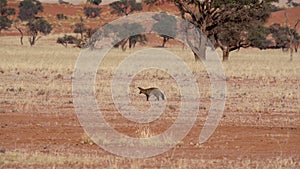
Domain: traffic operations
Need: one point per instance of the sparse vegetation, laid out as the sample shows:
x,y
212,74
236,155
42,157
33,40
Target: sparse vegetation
x,y
61,16
80,28
20,157
63,2
155,2
86,140
281,35
68,39
91,12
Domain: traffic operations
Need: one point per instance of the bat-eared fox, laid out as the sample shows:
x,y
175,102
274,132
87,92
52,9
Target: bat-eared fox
x,y
152,91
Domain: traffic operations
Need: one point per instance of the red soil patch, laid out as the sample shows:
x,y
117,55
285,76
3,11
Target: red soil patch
x,y
279,17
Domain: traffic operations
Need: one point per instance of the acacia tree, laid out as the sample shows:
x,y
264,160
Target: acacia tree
x,y
125,7
258,37
166,26
226,22
127,32
237,27
5,12
36,26
91,11
28,9
80,28
280,36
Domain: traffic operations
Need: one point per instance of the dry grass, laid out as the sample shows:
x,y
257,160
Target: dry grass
x,y
262,63
46,55
22,158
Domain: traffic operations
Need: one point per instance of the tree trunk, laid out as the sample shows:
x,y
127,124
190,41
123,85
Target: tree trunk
x,y
201,50
32,40
81,35
132,42
296,46
21,39
21,32
291,53
224,48
291,47
196,57
165,39
225,54
123,44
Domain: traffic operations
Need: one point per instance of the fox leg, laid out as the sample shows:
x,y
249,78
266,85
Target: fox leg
x,y
147,97
157,97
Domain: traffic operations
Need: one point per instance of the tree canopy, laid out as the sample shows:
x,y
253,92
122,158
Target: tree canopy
x,y
91,12
29,9
95,2
5,12
123,33
165,26
80,28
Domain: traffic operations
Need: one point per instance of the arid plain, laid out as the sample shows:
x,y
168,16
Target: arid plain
x,y
39,126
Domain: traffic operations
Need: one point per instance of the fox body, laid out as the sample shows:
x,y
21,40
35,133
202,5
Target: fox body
x,y
152,91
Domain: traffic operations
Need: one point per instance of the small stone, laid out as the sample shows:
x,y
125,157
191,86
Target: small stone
x,y
2,150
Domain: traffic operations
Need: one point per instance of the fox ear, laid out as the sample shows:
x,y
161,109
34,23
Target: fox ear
x,y
140,88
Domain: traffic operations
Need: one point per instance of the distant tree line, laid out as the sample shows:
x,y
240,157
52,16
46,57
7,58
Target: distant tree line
x,y
279,37
229,24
